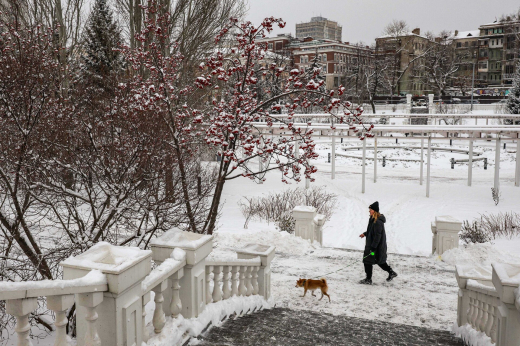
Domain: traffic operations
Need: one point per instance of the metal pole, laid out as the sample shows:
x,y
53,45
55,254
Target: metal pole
x,y
470,162
497,163
422,161
472,87
517,171
375,159
428,166
363,165
333,158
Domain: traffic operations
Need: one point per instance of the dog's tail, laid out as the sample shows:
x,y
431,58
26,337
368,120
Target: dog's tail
x,y
324,280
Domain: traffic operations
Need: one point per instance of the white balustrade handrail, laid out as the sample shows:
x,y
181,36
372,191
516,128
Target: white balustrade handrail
x,y
482,314
94,281
255,262
161,273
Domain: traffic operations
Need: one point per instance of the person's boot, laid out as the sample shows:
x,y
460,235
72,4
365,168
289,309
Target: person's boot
x,y
366,281
391,275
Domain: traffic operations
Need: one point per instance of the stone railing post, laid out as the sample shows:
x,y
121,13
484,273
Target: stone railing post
x,y
266,254
445,233
434,237
508,331
176,304
217,292
319,221
60,305
304,225
209,298
226,291
146,299
90,302
409,103
119,319
234,280
21,308
193,282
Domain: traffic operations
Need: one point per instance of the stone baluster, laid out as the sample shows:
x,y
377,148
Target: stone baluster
x,y
255,280
478,305
90,301
484,319
490,317
146,299
60,305
470,310
175,305
226,291
21,308
494,327
241,284
234,280
217,292
249,287
475,310
209,269
159,319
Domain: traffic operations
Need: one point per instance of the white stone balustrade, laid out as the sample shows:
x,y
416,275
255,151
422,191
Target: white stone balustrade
x,y
111,286
308,224
488,303
240,282
445,236
21,300
193,282
266,254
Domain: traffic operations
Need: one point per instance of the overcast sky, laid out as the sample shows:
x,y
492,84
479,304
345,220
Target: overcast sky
x,y
364,20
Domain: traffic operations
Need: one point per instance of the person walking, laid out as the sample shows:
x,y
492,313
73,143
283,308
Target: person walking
x,y
375,246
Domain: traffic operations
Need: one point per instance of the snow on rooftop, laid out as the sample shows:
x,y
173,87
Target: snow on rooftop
x,y
467,34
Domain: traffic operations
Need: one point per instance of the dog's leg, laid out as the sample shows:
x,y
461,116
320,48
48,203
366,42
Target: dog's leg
x,y
313,293
304,292
326,295
321,296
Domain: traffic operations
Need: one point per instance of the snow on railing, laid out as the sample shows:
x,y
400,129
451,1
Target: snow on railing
x,y
21,300
487,308
111,285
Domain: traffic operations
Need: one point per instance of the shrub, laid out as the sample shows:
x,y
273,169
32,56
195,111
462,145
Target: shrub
x,y
277,207
491,227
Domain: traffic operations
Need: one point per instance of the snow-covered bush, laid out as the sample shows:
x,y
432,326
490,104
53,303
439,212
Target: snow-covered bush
x,y
473,233
513,99
490,227
277,207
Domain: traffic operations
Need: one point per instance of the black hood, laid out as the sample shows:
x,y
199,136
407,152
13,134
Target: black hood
x,y
381,217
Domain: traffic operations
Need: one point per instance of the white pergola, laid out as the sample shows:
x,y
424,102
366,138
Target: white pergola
x,y
470,133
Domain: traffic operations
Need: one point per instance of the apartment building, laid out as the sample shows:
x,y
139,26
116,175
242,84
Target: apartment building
x,y
498,53
466,48
335,58
400,52
319,28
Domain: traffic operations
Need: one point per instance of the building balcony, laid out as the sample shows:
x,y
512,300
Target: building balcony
x,y
508,76
483,69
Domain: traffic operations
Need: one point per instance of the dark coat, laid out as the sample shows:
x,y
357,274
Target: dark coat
x,y
375,241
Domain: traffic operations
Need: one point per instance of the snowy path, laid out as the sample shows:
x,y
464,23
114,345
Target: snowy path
x,y
288,327
424,294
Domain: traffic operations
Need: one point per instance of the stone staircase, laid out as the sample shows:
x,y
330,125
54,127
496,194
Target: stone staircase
x,y
281,326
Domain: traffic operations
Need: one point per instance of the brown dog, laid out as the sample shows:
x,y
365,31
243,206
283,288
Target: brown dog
x,y
312,285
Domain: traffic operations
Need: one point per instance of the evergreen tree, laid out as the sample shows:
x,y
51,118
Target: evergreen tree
x,y
102,36
513,99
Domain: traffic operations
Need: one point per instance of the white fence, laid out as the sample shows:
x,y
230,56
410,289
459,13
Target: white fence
x,y
490,303
111,286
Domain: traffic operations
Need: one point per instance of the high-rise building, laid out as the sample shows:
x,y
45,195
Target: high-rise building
x,y
319,28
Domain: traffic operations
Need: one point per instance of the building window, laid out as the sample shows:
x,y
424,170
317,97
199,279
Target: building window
x,y
270,46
